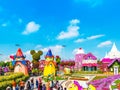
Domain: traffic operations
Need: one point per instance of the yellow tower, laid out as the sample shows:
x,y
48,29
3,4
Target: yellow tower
x,y
49,68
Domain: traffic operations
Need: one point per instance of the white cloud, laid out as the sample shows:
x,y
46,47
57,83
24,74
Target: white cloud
x,y
72,30
38,47
79,40
55,49
95,36
28,55
74,21
31,27
77,51
89,38
103,44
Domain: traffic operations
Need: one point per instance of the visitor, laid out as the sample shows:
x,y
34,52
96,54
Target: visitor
x,y
32,83
17,87
52,83
8,88
65,89
28,85
22,85
60,87
57,85
43,87
48,85
13,84
40,86
36,83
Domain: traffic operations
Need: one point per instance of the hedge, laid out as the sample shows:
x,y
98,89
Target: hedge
x,y
7,80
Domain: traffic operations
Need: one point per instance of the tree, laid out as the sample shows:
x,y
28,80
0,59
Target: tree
x,y
2,64
58,60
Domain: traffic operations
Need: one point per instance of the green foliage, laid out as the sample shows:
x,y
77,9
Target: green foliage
x,y
36,58
11,76
40,52
117,81
99,77
58,60
7,80
35,70
11,66
32,52
113,87
2,64
59,78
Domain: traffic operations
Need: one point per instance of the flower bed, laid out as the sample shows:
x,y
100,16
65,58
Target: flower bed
x,y
104,84
7,80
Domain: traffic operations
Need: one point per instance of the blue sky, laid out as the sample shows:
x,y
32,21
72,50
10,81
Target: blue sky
x,y
42,24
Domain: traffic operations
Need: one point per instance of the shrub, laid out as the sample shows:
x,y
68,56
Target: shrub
x,y
7,80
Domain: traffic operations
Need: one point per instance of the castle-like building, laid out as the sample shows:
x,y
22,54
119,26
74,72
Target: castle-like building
x,y
111,61
85,62
114,53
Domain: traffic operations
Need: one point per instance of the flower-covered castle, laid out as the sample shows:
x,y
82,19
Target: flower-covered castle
x,y
111,61
19,62
85,62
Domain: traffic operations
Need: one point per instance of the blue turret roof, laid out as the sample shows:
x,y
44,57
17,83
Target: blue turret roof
x,y
49,53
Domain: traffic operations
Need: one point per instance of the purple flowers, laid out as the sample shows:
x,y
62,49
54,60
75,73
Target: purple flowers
x,y
103,84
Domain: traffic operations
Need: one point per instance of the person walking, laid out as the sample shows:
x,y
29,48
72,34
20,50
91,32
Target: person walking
x,y
13,84
32,83
43,87
40,86
37,83
22,85
17,87
8,88
28,85
48,85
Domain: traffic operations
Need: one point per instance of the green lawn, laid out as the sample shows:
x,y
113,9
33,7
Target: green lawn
x,y
99,77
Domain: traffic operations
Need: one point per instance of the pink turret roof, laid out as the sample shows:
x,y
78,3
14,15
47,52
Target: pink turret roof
x,y
90,56
106,60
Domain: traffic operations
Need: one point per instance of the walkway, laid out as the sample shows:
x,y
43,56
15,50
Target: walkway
x,y
35,77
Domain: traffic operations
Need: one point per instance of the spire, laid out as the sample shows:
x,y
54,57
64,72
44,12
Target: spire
x,y
19,53
114,48
114,53
49,53
106,55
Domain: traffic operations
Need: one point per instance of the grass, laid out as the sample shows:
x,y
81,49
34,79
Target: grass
x,y
86,72
99,77
54,78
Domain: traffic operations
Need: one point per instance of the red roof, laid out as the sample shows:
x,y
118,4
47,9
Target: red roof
x,y
19,52
89,64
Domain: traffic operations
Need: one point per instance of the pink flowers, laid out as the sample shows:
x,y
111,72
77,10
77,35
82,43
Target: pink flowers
x,y
103,84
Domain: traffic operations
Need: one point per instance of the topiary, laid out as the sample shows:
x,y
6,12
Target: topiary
x,y
36,58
